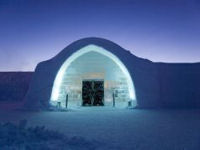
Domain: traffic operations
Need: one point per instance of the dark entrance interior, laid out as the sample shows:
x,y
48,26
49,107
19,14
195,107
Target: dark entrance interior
x,y
93,93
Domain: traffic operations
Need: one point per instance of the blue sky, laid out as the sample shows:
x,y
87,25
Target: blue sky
x,y
160,30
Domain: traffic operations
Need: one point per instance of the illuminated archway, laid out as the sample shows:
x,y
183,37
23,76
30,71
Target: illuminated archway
x,y
57,90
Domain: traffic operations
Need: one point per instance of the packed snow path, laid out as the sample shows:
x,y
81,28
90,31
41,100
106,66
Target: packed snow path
x,y
121,129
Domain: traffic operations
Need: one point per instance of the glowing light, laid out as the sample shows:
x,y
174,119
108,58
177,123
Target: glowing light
x,y
59,77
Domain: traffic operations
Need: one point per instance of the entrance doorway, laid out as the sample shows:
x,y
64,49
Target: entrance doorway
x,y
93,93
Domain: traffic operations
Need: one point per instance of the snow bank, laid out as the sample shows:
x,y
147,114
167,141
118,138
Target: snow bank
x,y
19,137
14,85
120,129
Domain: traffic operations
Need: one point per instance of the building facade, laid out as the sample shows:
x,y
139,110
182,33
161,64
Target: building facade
x,y
98,72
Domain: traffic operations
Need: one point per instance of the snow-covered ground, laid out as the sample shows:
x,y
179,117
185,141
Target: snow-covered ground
x,y
121,129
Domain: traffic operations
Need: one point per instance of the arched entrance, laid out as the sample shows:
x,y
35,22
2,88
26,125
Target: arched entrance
x,y
93,76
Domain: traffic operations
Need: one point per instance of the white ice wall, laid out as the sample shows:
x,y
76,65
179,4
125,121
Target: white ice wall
x,y
93,65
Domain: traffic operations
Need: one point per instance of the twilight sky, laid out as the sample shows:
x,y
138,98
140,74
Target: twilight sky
x,y
160,30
